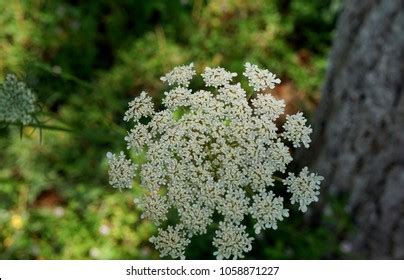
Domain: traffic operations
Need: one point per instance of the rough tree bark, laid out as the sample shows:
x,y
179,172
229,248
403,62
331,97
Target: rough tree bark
x,y
358,141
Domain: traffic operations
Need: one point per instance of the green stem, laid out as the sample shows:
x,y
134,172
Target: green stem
x,y
54,117
63,75
44,126
276,178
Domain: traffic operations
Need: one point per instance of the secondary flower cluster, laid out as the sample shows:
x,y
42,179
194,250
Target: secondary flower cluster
x,y
213,152
17,102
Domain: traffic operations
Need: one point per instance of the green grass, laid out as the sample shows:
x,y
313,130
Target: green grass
x,y
85,62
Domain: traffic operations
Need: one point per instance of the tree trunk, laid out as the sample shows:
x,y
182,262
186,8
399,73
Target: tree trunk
x,y
358,144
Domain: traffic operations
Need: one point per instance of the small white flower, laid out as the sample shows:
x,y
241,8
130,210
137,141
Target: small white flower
x,y
304,188
178,96
234,206
121,171
104,230
260,79
217,77
17,102
296,131
171,242
95,253
141,106
231,241
266,105
138,137
233,95
195,218
203,100
267,210
211,193
155,208
59,211
178,195
180,75
152,176
279,156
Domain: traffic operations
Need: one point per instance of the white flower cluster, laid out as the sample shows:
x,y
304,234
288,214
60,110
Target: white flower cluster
x,y
216,77
260,79
267,210
121,171
296,130
214,154
17,102
231,240
140,107
180,75
171,242
304,188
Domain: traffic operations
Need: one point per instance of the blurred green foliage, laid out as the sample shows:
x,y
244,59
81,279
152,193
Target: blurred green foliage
x,y
86,60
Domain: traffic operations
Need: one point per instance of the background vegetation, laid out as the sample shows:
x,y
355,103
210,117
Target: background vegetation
x,y
86,60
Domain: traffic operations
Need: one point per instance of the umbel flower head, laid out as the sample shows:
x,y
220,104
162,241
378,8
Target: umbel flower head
x,y
213,153
17,102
